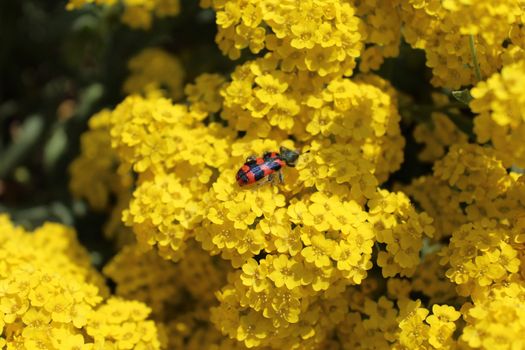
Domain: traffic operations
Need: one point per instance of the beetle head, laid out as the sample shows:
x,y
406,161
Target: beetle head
x,y
289,156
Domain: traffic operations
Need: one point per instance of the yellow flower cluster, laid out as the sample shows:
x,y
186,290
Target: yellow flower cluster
x,y
96,176
468,184
203,94
138,14
122,324
501,113
51,297
481,253
324,37
381,325
382,31
444,30
310,248
291,266
179,294
93,175
439,133
168,144
478,204
495,319
154,69
297,248
401,229
360,116
175,156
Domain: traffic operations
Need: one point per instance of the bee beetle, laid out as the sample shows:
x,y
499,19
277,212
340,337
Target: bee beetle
x,y
271,163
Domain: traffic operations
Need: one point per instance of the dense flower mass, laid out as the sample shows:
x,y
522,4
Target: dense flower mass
x,y
179,295
446,30
338,254
324,37
51,297
495,317
501,113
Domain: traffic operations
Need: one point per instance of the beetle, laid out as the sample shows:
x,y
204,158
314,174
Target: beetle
x,y
271,163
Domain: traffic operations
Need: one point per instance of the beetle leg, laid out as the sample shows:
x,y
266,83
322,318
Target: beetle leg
x,y
262,183
281,176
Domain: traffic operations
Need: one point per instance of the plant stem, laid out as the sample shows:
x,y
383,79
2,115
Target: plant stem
x,y
477,71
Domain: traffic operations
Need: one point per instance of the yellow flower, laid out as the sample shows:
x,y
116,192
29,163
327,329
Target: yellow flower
x,y
252,329
59,307
289,273
79,314
285,239
443,313
324,61
36,317
442,326
304,35
64,340
240,214
345,255
283,112
318,250
316,217
269,88
414,332
40,295
230,15
254,275
286,305
111,323
152,69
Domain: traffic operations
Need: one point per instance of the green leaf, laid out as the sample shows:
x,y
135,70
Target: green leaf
x,y
89,97
462,96
15,154
86,22
55,147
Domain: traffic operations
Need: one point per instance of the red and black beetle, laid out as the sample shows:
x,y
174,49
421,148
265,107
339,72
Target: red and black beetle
x,y
256,169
